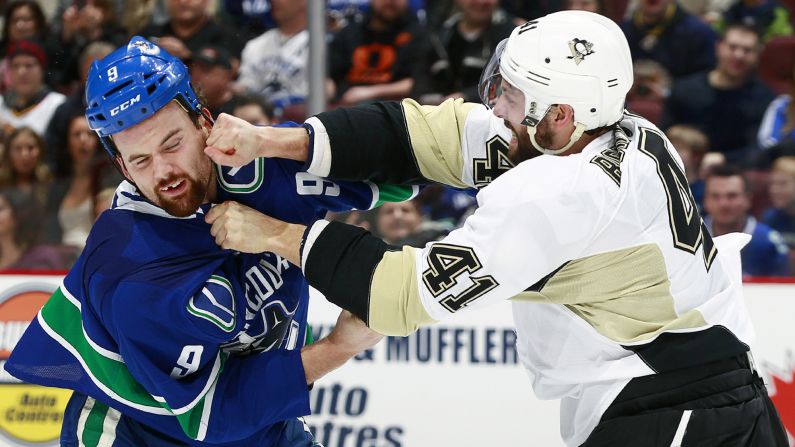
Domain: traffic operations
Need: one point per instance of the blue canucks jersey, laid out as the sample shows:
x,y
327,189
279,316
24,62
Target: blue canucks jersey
x,y
782,222
199,344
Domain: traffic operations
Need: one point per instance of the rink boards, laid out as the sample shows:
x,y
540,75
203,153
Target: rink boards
x,y
454,384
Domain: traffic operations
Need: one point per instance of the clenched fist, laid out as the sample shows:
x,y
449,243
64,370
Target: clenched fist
x,y
235,142
240,228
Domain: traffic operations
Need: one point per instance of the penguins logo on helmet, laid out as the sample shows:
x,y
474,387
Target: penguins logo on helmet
x,y
579,49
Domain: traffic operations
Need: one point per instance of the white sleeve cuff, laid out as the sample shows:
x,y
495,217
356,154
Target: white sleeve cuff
x,y
321,150
311,237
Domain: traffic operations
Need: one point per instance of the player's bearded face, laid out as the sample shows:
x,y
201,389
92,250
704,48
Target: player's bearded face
x,y
509,105
164,157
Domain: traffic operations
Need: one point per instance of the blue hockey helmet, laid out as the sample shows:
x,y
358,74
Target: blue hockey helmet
x,y
133,83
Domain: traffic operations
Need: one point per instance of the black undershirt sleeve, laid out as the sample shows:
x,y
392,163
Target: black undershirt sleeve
x,y
341,264
371,142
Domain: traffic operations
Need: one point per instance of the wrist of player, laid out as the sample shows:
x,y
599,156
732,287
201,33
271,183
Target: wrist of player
x,y
283,142
285,239
322,357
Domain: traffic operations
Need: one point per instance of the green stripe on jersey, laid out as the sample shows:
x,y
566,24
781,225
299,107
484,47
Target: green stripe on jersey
x,y
64,318
310,337
94,424
395,193
61,316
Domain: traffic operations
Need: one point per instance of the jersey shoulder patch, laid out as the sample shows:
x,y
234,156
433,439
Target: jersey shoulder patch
x,y
244,179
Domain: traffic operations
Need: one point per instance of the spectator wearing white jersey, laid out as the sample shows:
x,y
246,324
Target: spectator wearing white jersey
x,y
28,101
275,63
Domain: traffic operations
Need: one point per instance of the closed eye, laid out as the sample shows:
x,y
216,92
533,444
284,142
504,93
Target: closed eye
x,y
174,146
140,162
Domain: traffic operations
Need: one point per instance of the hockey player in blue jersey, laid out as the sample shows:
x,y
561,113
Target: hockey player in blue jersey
x,y
167,339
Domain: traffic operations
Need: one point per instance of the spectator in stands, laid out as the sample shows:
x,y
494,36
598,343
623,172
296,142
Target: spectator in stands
x,y
652,81
374,59
275,63
22,165
711,161
212,73
727,199
781,216
19,224
691,144
651,87
728,102
252,108
80,25
23,20
447,205
397,221
404,224
451,65
709,11
252,18
664,32
69,210
137,15
584,5
531,9
342,12
770,17
28,101
56,134
778,122
189,28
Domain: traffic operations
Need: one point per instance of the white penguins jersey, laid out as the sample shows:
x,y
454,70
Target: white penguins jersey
x,y
604,254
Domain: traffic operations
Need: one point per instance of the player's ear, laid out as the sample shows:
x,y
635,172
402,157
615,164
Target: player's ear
x,y
206,122
120,163
562,114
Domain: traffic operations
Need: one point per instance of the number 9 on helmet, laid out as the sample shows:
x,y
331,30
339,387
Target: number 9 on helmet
x,y
133,83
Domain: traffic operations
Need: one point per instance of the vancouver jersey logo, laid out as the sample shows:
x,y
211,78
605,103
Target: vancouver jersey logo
x,y
269,309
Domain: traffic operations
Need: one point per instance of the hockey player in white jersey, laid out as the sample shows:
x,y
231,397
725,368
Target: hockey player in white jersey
x,y
625,308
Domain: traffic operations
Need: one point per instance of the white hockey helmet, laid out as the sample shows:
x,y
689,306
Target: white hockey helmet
x,y
570,57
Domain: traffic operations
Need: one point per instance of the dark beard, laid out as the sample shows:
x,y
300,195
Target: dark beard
x,y
524,149
188,203
544,135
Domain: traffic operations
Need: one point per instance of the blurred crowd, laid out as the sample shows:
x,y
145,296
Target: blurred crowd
x,y
715,75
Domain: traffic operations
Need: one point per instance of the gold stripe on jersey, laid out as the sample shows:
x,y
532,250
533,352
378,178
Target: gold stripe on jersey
x,y
437,131
625,294
395,304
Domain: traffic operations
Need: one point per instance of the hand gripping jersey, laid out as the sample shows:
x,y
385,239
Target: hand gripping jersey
x,y
200,344
611,270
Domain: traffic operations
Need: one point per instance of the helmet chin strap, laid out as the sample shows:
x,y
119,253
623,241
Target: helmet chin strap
x,y
579,128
